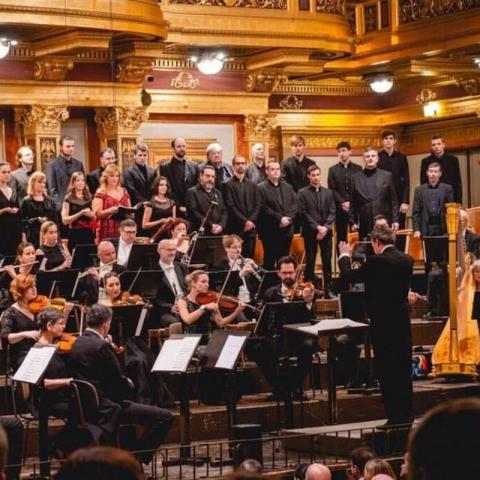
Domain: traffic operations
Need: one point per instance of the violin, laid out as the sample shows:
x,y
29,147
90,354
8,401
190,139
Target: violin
x,y
296,291
127,299
226,302
42,301
66,341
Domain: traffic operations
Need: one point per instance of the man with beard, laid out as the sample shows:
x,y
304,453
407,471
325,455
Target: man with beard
x,y
107,157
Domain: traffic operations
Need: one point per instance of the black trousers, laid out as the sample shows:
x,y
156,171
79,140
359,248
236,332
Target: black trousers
x,y
248,247
311,247
276,244
14,430
341,225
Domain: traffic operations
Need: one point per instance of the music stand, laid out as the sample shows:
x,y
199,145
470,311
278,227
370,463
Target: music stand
x,y
217,279
270,278
435,249
64,282
127,321
353,305
145,284
209,251
143,255
84,256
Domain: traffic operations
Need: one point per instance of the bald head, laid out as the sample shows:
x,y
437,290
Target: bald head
x,y
106,252
317,471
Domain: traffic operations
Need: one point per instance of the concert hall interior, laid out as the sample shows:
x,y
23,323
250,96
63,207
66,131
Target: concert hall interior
x,y
250,228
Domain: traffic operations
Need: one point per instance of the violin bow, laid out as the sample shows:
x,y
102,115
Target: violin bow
x,y
129,290
226,280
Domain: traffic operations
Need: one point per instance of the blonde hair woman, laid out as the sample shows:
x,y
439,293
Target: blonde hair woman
x,y
108,198
57,256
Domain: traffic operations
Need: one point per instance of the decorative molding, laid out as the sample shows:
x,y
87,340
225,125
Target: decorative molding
x,y
111,120
48,149
470,85
53,68
330,6
259,125
327,140
41,117
133,70
312,88
127,148
290,102
184,63
411,11
185,80
264,81
266,4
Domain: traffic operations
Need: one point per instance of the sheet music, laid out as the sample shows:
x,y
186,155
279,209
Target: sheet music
x,y
331,324
230,351
176,354
34,365
141,321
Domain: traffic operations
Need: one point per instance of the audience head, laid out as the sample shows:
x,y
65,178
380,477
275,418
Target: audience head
x,y
37,184
214,153
258,152
110,178
140,154
370,158
167,248
179,147
128,230
272,170
107,157
99,318
49,233
100,463
198,280
239,163
381,236
375,466
297,145
438,146
3,451
358,458
250,465
67,146
23,287
25,157
77,183
445,444
318,471
161,186
207,177
434,172
106,252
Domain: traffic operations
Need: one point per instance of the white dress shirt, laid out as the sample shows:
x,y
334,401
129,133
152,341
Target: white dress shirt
x,y
123,253
172,278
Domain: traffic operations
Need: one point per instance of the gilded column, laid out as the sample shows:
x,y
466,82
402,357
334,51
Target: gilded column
x,y
119,128
259,129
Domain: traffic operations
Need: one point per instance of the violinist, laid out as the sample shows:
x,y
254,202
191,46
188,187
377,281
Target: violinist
x,y
18,327
113,289
172,285
160,210
57,256
198,318
178,232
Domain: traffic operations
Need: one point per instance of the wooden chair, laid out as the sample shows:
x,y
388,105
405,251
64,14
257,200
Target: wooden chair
x,y
258,255
297,248
414,246
474,217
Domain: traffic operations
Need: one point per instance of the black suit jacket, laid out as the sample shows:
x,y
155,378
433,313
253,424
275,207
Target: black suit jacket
x,y
295,172
93,180
420,210
139,188
58,178
339,181
165,297
272,209
384,202
198,200
222,175
387,277
316,213
241,207
190,179
450,173
93,360
397,164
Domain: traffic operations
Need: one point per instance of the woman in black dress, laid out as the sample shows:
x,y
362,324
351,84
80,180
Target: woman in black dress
x,y
10,221
160,210
77,213
56,256
18,327
37,207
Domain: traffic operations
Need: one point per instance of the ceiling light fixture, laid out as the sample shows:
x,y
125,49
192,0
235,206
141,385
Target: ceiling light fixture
x,y
5,45
380,82
209,63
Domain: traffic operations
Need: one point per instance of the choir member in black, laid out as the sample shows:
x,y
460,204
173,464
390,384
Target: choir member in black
x,y
429,204
56,257
107,156
266,352
449,164
393,161
198,318
10,221
279,207
20,176
339,182
60,169
18,326
178,232
24,264
317,209
198,200
160,210
372,193
37,208
181,174
223,171
77,213
387,276
295,168
93,359
256,170
242,198
171,286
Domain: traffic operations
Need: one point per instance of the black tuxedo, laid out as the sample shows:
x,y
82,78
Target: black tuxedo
x,y
339,182
93,180
198,200
371,197
450,173
139,187
222,175
295,172
58,171
317,208
242,199
276,202
422,214
387,277
181,175
93,360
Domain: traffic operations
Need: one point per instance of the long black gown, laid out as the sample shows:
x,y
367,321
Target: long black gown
x,y
10,225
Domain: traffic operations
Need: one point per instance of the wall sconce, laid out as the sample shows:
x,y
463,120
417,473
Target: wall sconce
x,y
209,63
5,45
380,82
425,98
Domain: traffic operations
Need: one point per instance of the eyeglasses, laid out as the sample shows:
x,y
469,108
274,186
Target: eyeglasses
x,y
130,232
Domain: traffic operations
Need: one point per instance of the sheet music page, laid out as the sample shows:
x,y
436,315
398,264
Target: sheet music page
x,y
34,365
141,321
230,351
331,324
175,354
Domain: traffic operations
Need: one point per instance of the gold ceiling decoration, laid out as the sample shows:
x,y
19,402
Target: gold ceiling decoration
x,y
52,68
264,81
133,70
410,11
42,116
290,102
270,4
185,80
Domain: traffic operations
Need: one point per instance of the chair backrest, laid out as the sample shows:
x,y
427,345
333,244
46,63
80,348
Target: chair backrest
x,y
474,218
85,402
297,248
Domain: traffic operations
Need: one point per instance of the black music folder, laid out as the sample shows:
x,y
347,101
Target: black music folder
x,y
143,255
127,321
124,212
223,349
208,251
435,249
145,284
57,284
84,256
276,314
217,279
